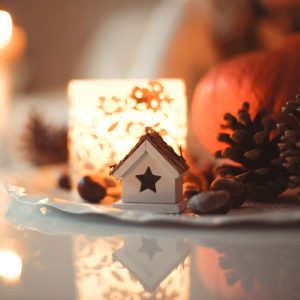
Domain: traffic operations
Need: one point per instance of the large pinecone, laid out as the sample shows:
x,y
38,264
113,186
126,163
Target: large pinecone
x,y
253,148
290,141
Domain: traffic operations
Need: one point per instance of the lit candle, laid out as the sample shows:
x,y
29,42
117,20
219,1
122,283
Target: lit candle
x,y
12,39
10,265
6,27
5,38
12,44
107,117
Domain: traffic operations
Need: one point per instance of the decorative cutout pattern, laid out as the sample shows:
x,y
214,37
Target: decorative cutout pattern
x,y
106,121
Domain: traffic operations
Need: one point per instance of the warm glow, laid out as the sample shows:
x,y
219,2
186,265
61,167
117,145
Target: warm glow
x,y
6,28
10,265
107,117
100,276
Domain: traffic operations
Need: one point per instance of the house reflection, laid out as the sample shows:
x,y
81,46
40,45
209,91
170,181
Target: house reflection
x,y
139,267
151,260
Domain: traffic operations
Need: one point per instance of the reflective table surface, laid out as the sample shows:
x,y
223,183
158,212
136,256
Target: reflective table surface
x,y
54,255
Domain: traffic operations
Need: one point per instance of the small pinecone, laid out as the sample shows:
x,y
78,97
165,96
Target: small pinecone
x,y
44,143
256,153
290,141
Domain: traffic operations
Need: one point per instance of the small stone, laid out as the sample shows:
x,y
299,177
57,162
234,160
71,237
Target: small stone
x,y
235,188
90,190
210,203
64,181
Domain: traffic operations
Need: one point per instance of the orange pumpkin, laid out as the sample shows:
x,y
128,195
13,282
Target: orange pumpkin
x,y
264,78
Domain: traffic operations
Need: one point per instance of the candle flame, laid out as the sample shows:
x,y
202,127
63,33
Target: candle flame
x,y
10,265
6,28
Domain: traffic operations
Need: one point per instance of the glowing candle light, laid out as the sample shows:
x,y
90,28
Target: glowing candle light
x,y
6,28
12,40
12,44
107,117
10,265
100,275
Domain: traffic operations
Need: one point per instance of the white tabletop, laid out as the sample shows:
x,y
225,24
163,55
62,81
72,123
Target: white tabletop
x,y
54,255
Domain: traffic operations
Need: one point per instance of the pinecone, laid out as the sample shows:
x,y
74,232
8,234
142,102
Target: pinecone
x,y
256,154
44,143
290,141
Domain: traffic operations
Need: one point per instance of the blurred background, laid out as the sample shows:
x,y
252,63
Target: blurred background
x,y
149,38
134,39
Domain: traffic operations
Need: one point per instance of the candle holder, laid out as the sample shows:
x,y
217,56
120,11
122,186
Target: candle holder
x,y
107,117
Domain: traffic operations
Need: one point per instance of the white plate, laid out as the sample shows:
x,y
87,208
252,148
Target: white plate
x,y
282,212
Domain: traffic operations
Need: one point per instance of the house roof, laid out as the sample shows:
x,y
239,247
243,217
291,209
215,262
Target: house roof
x,y
153,137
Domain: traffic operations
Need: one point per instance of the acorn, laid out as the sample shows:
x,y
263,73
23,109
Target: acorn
x,y
64,181
90,190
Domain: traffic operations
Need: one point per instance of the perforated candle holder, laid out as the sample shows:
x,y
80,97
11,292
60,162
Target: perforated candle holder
x,y
107,117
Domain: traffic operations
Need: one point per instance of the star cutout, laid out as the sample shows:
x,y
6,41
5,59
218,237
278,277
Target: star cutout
x,y
148,180
149,247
